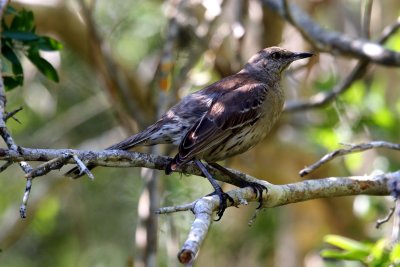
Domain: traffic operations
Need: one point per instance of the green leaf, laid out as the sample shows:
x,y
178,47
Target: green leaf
x,y
22,29
10,83
395,254
44,66
21,36
4,25
8,53
384,118
16,22
353,161
346,243
49,44
24,21
16,67
356,93
344,255
379,252
394,42
326,137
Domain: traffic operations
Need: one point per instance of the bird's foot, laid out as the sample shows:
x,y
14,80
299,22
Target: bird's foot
x,y
258,189
223,202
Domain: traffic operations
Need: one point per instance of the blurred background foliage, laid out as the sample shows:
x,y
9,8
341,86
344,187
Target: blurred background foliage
x,y
112,83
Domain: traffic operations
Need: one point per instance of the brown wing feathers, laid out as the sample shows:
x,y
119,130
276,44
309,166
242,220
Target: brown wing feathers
x,y
230,111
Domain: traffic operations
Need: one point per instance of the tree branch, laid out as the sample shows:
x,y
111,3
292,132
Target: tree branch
x,y
334,42
5,134
345,151
203,208
324,98
277,195
386,219
366,18
11,115
56,158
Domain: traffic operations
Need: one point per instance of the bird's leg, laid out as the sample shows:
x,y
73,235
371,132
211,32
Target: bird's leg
x,y
257,188
223,197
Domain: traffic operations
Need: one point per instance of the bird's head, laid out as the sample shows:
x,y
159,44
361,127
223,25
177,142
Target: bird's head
x,y
273,60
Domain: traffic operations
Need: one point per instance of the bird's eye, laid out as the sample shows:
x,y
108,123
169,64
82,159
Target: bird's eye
x,y
276,55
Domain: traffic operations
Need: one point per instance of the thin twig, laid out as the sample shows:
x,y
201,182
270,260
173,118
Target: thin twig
x,y
5,134
48,166
389,30
28,188
335,42
366,18
5,166
177,208
25,198
330,40
12,113
288,14
324,98
386,219
344,151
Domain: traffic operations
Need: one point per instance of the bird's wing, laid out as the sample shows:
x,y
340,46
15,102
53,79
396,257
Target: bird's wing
x,y
230,111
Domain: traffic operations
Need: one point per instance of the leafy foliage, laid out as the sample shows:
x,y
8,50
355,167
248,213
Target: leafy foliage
x,y
370,254
19,38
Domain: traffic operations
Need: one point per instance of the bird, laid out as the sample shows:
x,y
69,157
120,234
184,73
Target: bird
x,y
224,119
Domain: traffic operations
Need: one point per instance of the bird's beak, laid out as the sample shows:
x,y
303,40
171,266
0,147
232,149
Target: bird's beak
x,y
301,55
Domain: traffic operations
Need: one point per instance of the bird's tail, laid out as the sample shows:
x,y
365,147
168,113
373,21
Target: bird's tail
x,y
125,144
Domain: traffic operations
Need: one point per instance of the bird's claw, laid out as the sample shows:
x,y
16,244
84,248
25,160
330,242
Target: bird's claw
x,y
258,189
223,204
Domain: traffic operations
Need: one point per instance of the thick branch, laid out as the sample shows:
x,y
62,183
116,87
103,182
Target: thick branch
x,y
277,195
55,158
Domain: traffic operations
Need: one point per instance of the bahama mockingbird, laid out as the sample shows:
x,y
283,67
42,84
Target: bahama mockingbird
x,y
224,119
